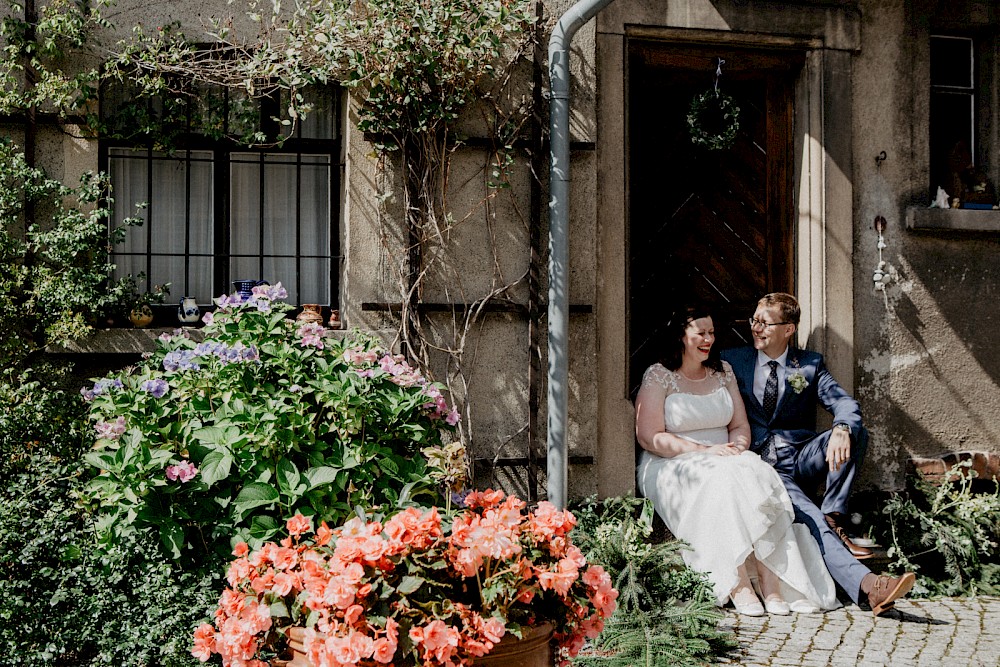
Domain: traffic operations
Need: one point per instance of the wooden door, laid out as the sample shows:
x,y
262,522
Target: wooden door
x,y
706,226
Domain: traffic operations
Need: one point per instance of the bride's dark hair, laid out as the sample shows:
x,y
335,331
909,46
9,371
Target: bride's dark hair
x,y
676,326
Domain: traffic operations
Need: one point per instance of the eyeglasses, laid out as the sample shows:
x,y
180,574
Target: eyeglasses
x,y
754,322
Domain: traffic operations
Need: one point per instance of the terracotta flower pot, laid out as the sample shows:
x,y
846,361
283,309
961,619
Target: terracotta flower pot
x,y
311,314
533,650
295,656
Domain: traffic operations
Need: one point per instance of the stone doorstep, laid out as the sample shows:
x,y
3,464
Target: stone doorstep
x,y
985,464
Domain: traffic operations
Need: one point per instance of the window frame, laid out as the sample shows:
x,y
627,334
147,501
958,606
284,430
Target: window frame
x,y
983,97
222,150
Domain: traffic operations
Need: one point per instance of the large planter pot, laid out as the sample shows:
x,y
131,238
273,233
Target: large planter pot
x,y
533,650
295,656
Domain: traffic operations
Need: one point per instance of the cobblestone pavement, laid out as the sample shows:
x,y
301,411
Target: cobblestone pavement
x,y
950,632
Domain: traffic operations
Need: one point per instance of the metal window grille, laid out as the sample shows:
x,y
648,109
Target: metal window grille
x,y
215,211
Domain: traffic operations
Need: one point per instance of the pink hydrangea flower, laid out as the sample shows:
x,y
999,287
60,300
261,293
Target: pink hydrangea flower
x,y
312,334
110,430
183,471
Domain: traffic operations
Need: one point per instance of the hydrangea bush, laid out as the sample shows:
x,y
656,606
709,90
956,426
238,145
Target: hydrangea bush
x,y
219,441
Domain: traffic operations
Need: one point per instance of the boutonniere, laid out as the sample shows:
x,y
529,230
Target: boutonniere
x,y
797,380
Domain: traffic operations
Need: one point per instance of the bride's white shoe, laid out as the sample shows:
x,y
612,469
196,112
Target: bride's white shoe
x,y
777,606
749,609
746,602
804,607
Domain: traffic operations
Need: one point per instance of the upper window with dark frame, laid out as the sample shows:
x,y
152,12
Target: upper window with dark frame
x,y
214,210
953,104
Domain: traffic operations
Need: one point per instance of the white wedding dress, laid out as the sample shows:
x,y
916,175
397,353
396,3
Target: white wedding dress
x,y
728,507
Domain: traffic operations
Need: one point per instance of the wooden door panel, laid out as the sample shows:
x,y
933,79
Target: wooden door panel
x,y
707,226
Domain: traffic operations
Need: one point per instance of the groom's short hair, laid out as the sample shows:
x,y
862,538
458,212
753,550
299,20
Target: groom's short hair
x,y
787,304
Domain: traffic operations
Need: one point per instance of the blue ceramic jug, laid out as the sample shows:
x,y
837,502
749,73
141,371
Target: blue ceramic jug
x,y
245,287
188,311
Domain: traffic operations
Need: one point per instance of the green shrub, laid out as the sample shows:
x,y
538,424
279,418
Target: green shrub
x,y
946,534
38,412
215,442
666,611
63,601
54,268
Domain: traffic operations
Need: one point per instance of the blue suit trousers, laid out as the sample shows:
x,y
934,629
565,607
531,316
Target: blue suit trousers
x,y
806,466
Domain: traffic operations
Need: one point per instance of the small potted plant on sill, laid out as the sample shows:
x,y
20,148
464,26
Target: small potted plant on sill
x,y
423,588
139,304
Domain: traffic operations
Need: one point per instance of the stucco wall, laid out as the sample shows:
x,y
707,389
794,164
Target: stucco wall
x,y
489,246
927,360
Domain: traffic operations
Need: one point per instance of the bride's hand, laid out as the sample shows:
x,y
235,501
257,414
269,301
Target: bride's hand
x,y
728,449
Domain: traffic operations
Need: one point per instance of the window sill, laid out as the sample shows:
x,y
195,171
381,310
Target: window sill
x,y
137,341
952,220
119,341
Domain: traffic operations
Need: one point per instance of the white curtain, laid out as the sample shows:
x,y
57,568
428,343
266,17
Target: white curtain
x,y
279,220
284,217
178,220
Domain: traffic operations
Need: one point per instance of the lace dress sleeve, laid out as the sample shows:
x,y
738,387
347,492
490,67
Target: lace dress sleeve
x,y
727,376
659,376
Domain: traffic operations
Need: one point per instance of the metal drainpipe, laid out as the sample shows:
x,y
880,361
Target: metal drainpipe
x,y
558,459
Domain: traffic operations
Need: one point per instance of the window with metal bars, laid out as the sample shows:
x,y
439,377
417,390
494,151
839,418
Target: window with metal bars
x,y
215,211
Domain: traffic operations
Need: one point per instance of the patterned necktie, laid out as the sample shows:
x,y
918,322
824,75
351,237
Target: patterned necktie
x,y
771,390
767,450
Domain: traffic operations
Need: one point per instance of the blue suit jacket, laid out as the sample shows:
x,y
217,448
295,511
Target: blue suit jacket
x,y
794,418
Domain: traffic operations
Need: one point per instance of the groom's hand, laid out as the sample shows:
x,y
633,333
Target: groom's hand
x,y
838,449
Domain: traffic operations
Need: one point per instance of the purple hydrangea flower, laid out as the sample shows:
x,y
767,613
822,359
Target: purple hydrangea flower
x,y
157,387
458,498
226,354
225,301
260,303
270,292
180,359
101,387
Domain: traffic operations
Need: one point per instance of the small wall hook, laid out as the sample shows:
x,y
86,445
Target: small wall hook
x,y
880,224
880,158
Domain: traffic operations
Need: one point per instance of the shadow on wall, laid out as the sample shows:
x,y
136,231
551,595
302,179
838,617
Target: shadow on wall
x,y
963,278
951,314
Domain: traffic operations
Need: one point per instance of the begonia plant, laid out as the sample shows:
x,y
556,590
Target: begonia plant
x,y
420,588
222,440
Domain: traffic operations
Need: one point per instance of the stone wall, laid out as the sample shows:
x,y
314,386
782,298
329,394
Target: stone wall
x,y
928,365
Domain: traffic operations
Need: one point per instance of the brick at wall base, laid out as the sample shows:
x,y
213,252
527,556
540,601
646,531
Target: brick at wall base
x,y
985,464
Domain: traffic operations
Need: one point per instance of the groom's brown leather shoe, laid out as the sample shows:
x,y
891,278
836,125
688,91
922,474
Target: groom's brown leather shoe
x,y
884,591
858,552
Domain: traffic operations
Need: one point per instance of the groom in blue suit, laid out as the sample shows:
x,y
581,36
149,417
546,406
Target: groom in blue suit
x,y
781,388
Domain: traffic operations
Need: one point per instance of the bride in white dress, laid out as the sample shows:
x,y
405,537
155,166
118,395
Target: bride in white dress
x,y
724,501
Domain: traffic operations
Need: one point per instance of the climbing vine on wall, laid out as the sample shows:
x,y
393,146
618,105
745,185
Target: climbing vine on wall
x,y
413,68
